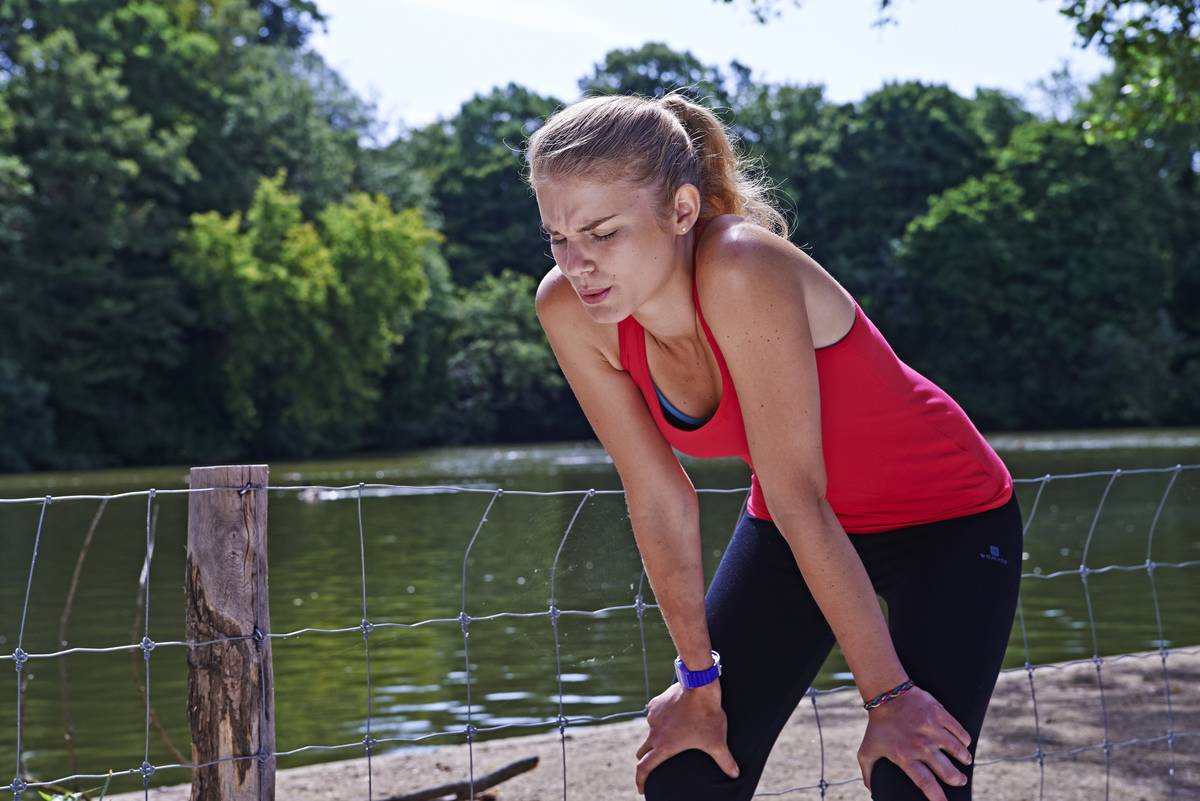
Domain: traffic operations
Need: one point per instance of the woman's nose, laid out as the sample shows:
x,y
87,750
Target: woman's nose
x,y
574,260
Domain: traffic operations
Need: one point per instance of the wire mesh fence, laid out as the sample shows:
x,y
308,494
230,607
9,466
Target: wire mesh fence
x,y
553,614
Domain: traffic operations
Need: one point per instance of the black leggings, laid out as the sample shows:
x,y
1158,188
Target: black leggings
x,y
951,592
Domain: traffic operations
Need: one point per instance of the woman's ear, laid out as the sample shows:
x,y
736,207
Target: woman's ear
x,y
687,207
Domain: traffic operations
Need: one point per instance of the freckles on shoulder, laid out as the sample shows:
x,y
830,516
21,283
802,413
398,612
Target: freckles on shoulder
x,y
751,290
743,269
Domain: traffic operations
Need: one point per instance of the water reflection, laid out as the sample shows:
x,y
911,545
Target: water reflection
x,y
415,540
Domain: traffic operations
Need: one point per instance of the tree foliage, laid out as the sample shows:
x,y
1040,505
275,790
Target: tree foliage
x,y
119,119
654,69
207,253
1045,276
303,315
87,310
472,165
502,372
1155,46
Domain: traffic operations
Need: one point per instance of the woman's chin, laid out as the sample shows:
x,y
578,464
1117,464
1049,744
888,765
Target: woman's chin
x,y
606,314
605,311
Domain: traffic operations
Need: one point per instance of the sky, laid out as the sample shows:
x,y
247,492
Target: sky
x,y
419,60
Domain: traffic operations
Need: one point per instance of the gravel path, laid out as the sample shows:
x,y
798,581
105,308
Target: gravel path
x,y
600,759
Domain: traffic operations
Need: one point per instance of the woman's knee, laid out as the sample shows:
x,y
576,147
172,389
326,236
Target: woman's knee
x,y
889,782
694,775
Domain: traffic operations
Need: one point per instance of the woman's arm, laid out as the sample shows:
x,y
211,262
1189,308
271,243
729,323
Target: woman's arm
x,y
751,284
839,584
665,515
669,541
752,289
663,507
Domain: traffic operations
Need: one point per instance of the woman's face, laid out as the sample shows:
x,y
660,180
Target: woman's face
x,y
604,236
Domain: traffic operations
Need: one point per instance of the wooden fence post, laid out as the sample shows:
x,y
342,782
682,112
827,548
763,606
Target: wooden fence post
x,y
231,685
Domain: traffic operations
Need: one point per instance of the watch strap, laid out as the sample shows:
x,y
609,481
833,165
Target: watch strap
x,y
691,679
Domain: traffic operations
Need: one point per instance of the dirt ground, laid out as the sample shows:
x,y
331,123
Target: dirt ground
x,y
600,758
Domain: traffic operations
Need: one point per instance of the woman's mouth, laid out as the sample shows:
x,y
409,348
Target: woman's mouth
x,y
595,297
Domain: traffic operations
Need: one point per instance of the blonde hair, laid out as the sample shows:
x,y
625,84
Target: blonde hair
x,y
662,143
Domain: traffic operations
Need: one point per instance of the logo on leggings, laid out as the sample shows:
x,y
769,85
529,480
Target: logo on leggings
x,y
994,555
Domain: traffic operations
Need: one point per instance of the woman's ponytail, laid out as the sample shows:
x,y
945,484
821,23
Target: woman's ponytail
x,y
725,184
663,143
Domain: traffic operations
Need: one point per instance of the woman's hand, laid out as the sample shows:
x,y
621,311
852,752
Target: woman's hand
x,y
912,730
681,719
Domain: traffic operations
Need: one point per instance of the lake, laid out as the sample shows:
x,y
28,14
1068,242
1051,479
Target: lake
x,y
414,543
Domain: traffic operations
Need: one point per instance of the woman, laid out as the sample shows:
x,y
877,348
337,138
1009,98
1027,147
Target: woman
x,y
683,318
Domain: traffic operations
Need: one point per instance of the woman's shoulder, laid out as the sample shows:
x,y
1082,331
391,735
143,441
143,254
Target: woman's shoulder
x,y
733,248
555,292
739,262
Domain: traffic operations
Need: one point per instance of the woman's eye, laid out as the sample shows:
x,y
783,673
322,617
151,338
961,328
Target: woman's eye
x,y
595,237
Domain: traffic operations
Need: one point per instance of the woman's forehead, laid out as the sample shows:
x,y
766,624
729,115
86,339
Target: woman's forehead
x,y
577,203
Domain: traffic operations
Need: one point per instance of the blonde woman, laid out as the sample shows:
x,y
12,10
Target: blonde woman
x,y
682,317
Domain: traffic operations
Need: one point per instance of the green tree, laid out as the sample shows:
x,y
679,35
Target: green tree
x,y
877,164
473,165
792,132
416,389
127,117
15,192
1168,149
303,318
995,114
476,368
1155,47
1044,277
654,69
502,372
287,22
93,317
26,422
395,172
253,109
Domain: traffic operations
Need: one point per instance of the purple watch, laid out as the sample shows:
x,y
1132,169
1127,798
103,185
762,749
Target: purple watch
x,y
691,679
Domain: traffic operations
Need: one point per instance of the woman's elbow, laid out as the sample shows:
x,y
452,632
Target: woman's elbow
x,y
802,500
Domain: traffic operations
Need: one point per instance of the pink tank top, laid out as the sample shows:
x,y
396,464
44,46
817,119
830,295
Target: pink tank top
x,y
898,450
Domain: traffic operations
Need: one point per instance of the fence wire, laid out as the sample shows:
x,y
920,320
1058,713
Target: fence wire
x,y
562,722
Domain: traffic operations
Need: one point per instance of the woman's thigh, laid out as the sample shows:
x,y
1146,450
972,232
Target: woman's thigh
x,y
950,614
773,639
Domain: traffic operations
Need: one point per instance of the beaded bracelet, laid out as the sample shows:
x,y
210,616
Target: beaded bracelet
x,y
883,698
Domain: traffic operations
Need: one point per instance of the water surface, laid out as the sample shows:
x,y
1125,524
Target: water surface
x,y
412,555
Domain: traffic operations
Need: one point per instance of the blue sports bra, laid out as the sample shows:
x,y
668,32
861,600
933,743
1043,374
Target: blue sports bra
x,y
679,419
